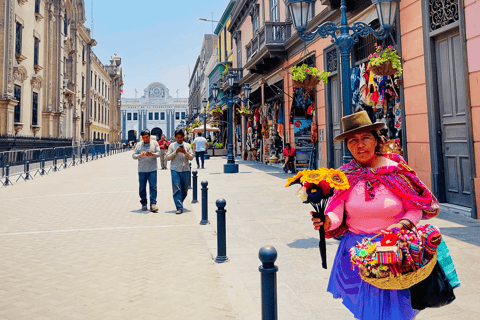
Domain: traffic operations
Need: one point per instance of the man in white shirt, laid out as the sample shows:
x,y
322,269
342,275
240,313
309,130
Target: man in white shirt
x,y
199,146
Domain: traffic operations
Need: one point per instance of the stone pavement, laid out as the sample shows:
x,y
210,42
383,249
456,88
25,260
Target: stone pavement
x,y
76,246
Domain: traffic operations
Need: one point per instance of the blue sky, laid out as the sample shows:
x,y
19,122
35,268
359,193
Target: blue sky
x,y
156,39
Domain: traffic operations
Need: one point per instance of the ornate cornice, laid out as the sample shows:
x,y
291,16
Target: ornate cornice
x,y
22,2
37,82
19,73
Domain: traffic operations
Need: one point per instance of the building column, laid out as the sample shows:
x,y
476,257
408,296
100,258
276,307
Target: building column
x,y
7,111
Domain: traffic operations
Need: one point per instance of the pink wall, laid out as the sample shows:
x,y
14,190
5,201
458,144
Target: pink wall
x,y
472,24
416,113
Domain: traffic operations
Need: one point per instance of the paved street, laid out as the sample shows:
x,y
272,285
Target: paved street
x,y
75,245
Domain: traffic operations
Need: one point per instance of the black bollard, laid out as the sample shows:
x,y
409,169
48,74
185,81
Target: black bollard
x,y
65,161
221,232
204,203
7,176
42,168
55,163
268,270
28,176
73,160
190,177
195,177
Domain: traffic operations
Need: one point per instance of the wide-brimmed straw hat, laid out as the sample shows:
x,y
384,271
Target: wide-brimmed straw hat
x,y
357,122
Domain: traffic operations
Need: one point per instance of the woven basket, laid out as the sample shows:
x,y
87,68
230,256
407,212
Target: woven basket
x,y
384,69
308,84
403,281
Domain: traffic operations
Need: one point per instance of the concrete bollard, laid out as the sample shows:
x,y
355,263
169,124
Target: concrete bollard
x,y
268,270
195,178
221,232
204,203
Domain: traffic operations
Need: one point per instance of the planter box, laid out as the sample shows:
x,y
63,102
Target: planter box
x,y
210,152
220,152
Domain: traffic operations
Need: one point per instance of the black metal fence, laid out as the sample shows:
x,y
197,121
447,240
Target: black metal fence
x,y
26,164
11,142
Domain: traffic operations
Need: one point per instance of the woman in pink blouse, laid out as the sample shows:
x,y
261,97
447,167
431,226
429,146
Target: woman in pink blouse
x,y
384,194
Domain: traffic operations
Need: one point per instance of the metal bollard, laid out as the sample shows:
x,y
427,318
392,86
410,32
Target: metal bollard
x,y
65,161
73,160
42,167
268,270
55,163
28,176
204,203
7,176
190,177
195,177
221,232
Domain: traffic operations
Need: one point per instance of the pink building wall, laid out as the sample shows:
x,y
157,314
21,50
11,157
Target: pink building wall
x,y
472,24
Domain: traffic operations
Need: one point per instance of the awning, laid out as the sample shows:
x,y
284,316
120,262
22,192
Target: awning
x,y
209,128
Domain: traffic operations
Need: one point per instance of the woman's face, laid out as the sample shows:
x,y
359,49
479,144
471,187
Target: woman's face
x,y
362,146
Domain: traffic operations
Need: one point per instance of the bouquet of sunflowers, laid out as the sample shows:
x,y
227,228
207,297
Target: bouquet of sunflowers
x,y
317,187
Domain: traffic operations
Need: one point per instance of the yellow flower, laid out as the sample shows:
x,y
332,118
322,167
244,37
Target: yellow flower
x,y
313,176
337,179
294,179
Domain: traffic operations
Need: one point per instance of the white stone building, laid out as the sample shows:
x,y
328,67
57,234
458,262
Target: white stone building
x,y
156,110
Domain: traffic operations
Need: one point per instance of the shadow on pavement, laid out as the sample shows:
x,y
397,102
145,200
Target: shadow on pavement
x,y
307,243
469,233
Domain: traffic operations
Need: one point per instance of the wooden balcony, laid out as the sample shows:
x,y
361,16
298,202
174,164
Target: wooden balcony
x,y
267,49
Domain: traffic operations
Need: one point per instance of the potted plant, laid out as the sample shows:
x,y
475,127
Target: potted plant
x,y
385,62
216,111
196,124
308,78
219,145
244,111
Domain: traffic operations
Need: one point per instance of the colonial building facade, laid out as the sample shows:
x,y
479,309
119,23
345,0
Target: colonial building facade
x,y
156,110
47,74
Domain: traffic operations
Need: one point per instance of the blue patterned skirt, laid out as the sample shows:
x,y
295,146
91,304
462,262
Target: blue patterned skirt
x,y
365,301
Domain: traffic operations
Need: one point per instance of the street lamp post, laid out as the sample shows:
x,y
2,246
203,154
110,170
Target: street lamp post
x,y
231,166
344,36
204,103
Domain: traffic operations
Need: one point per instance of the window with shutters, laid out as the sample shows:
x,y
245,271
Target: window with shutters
x,y
35,109
17,91
18,38
36,51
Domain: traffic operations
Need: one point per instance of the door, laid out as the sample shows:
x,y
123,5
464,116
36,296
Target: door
x,y
452,106
336,112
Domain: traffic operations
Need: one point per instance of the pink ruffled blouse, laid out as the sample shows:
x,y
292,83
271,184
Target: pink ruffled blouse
x,y
375,215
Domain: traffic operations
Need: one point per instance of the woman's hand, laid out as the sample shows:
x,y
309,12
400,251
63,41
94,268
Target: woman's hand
x,y
317,222
396,225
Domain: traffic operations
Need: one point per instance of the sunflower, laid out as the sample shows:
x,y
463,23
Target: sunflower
x,y
337,179
313,176
295,179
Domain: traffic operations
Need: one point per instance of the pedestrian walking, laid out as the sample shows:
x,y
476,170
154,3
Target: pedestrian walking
x,y
384,194
163,143
180,153
146,152
199,146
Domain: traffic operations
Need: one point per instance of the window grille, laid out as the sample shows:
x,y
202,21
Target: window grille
x,y
18,95
35,109
18,40
332,61
442,13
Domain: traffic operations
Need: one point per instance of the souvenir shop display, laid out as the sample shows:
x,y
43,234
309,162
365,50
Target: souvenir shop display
x,y
317,187
401,259
379,97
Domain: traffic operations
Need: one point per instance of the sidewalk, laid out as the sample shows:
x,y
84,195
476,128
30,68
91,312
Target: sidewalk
x,y
75,245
